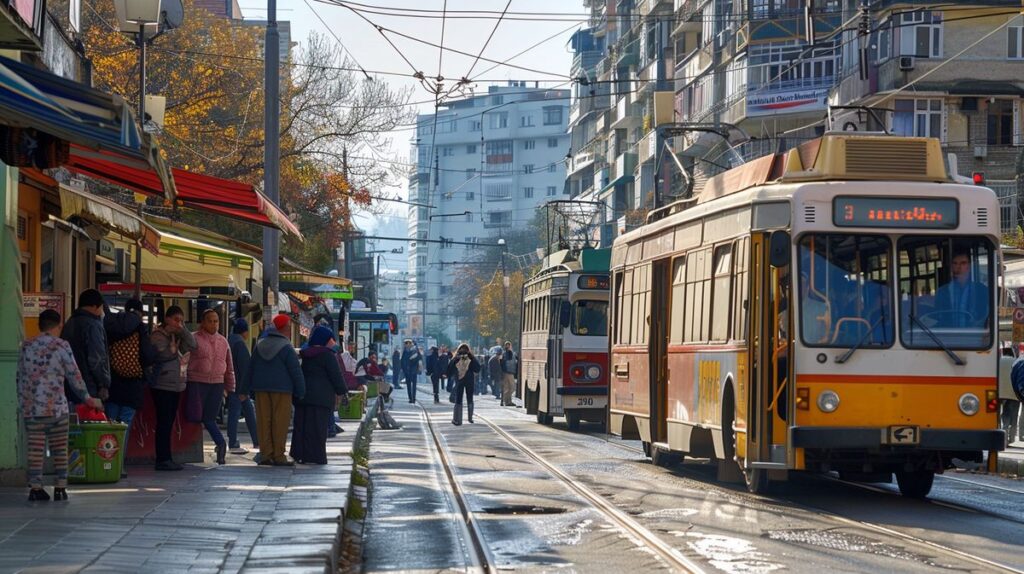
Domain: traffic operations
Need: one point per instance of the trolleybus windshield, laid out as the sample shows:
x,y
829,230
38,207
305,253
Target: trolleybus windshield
x,y
845,291
945,288
590,318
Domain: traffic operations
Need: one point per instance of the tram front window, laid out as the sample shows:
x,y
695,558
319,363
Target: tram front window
x,y
945,292
590,318
845,291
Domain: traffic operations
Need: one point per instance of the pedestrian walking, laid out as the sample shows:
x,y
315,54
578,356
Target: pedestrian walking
x,y
1011,382
174,345
45,363
443,359
411,364
509,366
431,364
494,372
274,377
85,333
396,368
461,370
132,357
313,411
240,401
212,371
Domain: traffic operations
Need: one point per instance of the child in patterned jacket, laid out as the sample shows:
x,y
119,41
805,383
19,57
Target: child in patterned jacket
x,y
45,363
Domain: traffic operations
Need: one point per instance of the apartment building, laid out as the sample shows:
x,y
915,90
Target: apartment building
x,y
494,159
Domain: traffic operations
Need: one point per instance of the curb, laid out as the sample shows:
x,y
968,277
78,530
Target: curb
x,y
348,555
1011,466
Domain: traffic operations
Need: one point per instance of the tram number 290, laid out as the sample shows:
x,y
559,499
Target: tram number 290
x,y
584,401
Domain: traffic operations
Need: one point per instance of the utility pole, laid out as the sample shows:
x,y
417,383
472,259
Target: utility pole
x,y
350,251
141,40
271,146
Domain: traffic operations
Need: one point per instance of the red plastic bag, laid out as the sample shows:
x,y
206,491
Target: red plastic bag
x,y
90,414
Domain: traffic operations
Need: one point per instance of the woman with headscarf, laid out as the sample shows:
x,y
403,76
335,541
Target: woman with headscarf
x,y
461,370
314,410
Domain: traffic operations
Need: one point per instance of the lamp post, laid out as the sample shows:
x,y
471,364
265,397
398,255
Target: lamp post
x,y
135,16
504,289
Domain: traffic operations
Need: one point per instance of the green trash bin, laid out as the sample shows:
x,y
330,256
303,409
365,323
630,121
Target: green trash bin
x,y
354,410
94,452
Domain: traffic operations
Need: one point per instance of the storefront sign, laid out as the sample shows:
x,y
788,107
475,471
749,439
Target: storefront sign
x,y
1018,325
32,304
767,103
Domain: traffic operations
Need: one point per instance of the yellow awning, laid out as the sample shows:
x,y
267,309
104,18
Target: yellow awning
x,y
108,214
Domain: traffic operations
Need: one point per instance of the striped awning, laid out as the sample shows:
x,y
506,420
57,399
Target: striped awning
x,y
108,214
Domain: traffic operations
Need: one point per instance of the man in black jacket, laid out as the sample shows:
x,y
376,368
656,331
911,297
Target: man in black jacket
x,y
239,402
84,332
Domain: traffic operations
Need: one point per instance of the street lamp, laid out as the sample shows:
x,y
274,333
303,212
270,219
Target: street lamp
x,y
504,288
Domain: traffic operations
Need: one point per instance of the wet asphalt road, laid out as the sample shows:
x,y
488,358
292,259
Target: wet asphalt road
x,y
810,524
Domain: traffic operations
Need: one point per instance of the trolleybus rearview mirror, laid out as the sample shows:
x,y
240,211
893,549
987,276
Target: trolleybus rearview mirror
x,y
563,314
779,249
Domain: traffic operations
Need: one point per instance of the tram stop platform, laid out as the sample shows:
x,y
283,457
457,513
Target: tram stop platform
x,y
239,517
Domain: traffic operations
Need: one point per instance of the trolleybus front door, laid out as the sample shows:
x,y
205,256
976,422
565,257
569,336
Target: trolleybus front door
x,y
658,350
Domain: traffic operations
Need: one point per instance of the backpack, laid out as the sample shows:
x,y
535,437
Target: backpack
x,y
511,364
124,357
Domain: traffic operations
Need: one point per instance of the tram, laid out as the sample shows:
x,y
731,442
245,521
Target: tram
x,y
830,308
371,331
564,344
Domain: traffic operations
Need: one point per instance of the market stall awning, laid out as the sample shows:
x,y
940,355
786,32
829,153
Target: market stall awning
x,y
203,192
186,267
108,214
316,285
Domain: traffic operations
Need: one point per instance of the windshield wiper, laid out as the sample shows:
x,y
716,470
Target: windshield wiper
x,y
849,353
938,341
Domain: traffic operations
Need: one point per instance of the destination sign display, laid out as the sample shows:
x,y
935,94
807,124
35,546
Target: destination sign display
x,y
914,212
593,282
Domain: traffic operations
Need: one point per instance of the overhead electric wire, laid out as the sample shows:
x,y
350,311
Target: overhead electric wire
x,y
488,41
337,39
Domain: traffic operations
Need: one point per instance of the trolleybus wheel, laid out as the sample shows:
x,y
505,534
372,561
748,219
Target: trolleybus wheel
x,y
915,483
573,420
647,448
756,479
544,418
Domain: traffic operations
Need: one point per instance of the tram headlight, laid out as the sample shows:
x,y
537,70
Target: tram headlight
x,y
594,372
828,401
969,404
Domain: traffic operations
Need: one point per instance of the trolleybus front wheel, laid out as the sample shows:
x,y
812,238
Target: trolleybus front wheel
x,y
544,418
756,479
915,483
573,420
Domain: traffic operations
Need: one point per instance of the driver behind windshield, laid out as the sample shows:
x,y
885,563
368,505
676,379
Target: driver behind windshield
x,y
962,302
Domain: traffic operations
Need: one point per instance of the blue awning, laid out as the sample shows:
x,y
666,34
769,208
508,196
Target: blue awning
x,y
97,124
616,182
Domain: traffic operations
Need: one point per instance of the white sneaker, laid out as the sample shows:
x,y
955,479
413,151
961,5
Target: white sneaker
x,y
239,450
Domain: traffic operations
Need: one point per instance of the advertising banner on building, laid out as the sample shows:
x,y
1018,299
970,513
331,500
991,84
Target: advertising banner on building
x,y
766,103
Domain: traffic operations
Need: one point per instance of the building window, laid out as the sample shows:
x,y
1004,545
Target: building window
x,y
1000,122
447,127
918,118
552,190
551,168
447,151
497,100
526,121
1014,38
470,173
474,126
565,190
470,195
883,39
497,218
529,144
528,168
552,115
552,142
921,34
498,191
498,120
499,156
421,260
471,149
527,192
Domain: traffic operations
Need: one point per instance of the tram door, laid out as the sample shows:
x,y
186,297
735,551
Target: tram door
x,y
557,309
660,282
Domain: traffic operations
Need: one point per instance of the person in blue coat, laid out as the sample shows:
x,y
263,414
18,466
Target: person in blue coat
x,y
411,361
275,377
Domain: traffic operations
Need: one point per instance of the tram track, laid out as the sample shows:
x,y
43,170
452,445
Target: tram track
x,y
869,526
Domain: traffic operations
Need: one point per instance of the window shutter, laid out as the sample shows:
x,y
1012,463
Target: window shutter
x,y
1017,138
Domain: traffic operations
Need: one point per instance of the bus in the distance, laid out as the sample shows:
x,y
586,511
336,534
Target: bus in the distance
x,y
564,341
830,308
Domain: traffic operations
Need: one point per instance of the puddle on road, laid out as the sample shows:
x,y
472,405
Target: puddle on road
x,y
669,513
850,542
728,554
517,509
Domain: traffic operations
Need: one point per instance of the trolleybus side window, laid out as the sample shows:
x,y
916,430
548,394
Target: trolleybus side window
x,y
678,304
946,292
641,292
845,291
698,294
590,318
740,305
721,292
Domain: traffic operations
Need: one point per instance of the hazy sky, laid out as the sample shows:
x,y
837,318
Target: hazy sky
x,y
373,52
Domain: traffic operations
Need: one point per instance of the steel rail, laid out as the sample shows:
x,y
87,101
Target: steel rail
x,y
668,553
981,484
483,556
877,528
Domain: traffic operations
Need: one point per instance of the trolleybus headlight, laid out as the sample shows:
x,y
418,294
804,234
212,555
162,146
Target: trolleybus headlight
x,y
594,372
828,401
969,404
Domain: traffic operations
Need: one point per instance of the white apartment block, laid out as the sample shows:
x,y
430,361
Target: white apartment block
x,y
494,159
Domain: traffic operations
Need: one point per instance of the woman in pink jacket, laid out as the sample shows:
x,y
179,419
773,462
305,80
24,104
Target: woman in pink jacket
x,y
211,370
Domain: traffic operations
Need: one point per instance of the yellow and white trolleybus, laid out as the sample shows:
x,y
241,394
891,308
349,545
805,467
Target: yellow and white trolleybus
x,y
831,308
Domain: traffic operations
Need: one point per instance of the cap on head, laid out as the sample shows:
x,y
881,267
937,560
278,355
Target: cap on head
x,y
319,336
133,305
240,326
281,322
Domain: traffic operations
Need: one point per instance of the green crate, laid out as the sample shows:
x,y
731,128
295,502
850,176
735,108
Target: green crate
x,y
356,404
94,452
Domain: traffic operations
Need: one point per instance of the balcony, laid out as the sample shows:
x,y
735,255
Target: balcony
x,y
627,114
625,164
21,25
645,148
691,66
646,7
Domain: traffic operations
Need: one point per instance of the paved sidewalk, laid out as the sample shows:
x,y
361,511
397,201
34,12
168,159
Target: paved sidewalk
x,y
239,517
